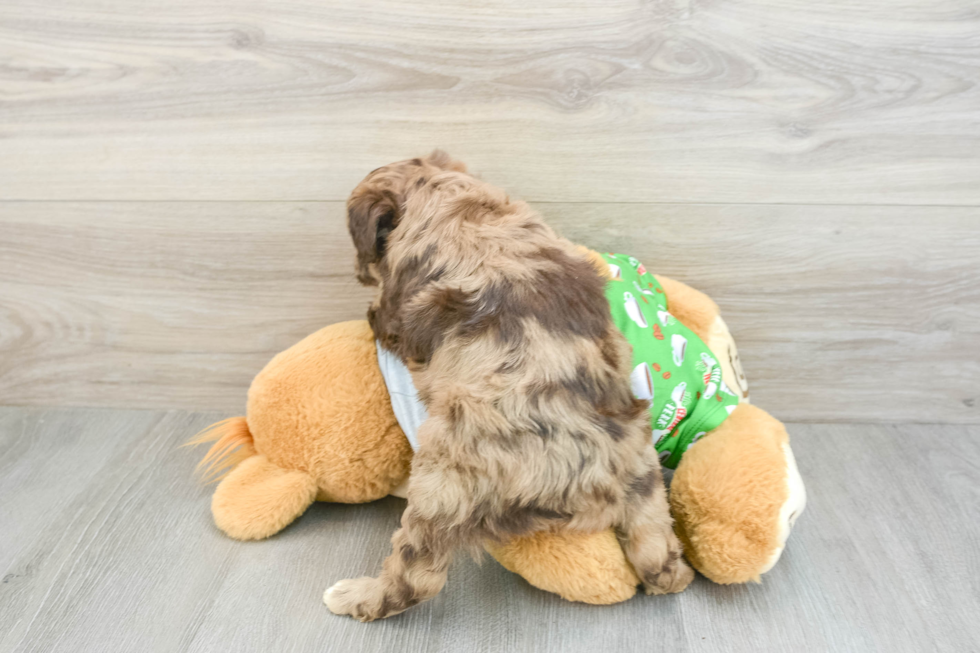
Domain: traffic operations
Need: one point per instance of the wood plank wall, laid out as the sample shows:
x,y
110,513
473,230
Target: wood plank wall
x,y
172,177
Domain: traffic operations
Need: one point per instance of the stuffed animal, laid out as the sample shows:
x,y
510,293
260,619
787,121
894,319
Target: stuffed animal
x,y
320,426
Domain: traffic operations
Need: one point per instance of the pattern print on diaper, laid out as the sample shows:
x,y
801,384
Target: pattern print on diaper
x,y
633,310
641,381
639,288
673,412
678,345
711,373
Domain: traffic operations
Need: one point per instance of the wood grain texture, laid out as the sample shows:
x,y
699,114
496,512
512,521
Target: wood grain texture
x,y
106,544
841,313
664,100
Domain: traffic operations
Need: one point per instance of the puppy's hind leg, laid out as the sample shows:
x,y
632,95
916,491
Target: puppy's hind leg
x,y
414,572
648,535
422,551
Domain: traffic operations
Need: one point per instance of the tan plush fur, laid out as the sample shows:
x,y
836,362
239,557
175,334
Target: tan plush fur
x,y
728,521
586,567
232,445
319,425
308,411
258,499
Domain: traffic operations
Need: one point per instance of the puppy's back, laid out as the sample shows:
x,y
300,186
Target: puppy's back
x,y
508,325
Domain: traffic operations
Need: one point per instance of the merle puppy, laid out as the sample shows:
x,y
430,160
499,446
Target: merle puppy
x,y
532,424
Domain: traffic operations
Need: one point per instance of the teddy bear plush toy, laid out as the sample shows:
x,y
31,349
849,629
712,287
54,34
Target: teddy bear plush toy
x,y
326,420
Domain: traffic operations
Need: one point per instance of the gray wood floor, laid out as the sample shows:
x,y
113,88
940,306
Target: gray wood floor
x,y
106,544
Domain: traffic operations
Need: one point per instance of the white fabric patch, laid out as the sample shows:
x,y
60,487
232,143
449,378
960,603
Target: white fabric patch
x,y
409,410
791,510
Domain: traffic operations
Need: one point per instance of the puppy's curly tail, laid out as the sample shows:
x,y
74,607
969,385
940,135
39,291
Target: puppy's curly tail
x,y
232,445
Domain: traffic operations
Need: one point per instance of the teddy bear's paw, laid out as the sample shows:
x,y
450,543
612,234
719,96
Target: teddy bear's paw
x,y
673,577
365,599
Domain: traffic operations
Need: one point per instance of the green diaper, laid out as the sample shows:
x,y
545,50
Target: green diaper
x,y
672,367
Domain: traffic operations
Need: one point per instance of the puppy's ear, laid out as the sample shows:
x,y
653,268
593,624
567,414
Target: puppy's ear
x,y
371,217
442,160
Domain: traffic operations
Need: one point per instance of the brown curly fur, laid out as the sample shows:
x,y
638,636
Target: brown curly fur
x,y
532,425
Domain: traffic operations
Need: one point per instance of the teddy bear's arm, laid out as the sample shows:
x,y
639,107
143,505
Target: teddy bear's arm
x,y
586,567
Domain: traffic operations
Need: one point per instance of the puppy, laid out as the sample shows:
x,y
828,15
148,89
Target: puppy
x,y
532,424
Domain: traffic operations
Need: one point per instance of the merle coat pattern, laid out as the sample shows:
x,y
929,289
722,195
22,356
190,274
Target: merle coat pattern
x,y
532,424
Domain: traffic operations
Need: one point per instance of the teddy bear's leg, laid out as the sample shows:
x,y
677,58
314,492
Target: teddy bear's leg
x,y
258,499
648,536
735,494
586,567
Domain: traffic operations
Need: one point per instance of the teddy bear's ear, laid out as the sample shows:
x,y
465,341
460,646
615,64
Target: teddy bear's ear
x,y
371,217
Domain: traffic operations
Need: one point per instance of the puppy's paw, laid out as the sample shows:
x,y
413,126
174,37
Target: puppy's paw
x,y
354,597
362,598
673,577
